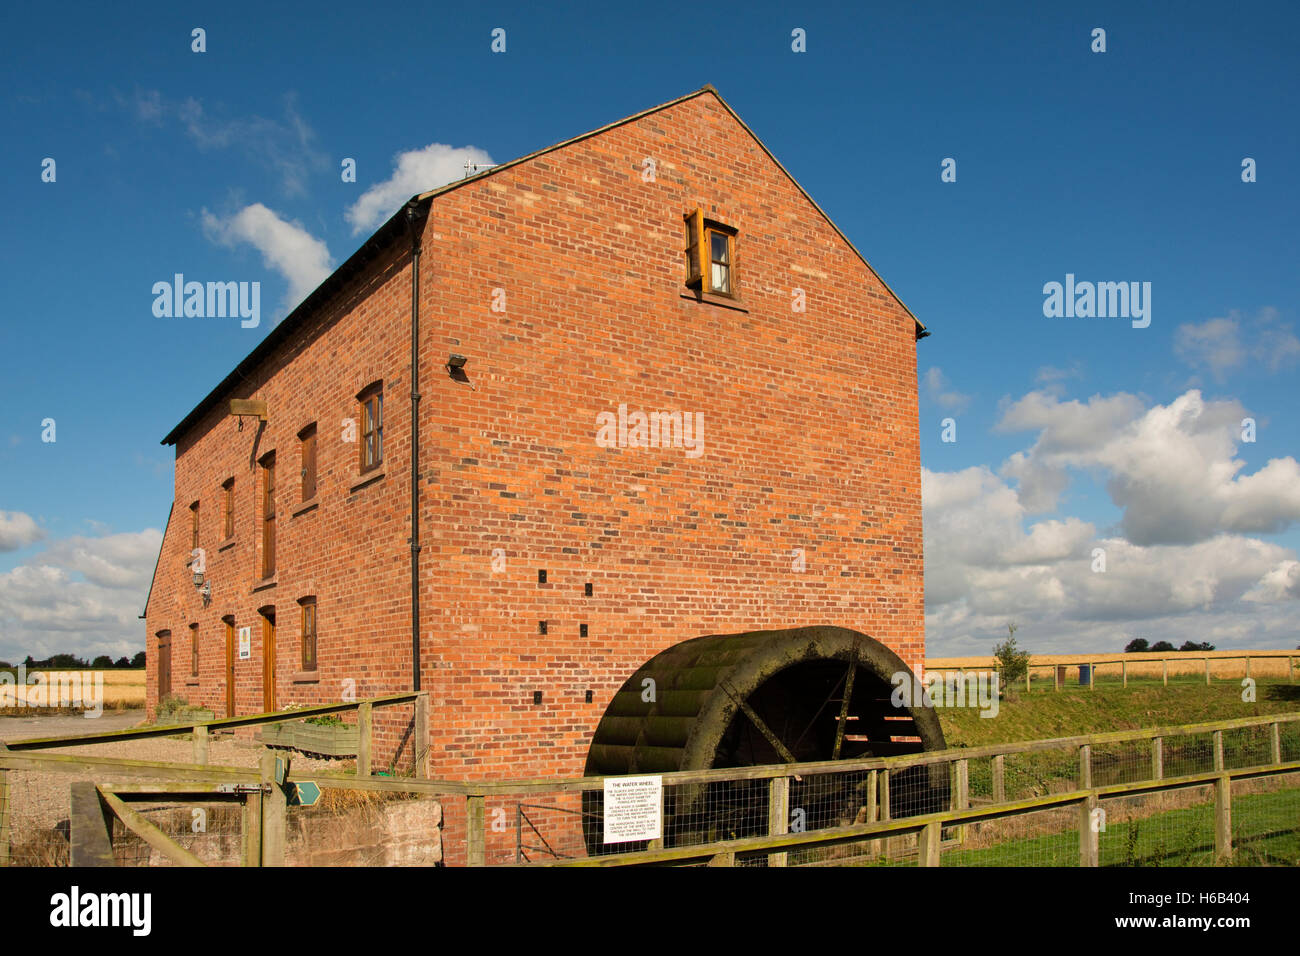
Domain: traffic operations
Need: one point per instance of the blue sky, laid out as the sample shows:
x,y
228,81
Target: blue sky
x,y
1117,166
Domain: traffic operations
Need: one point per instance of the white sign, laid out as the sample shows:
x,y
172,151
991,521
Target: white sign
x,y
634,808
245,643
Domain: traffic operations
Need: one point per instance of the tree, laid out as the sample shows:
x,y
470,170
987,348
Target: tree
x,y
1193,646
1162,646
122,662
1014,661
1138,645
138,660
102,662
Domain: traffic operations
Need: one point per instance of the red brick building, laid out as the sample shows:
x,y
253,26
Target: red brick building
x,y
687,407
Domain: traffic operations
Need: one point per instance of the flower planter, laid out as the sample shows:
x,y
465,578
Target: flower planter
x,y
326,740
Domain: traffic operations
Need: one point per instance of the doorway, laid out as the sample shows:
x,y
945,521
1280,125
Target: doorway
x,y
230,665
268,659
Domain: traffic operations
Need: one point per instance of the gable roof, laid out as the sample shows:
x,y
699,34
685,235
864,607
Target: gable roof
x,y
394,228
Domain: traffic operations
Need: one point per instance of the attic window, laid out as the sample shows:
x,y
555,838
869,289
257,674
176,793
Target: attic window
x,y
710,255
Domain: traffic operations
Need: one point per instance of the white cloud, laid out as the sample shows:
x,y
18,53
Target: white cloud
x,y
1171,469
1227,344
81,595
940,391
415,171
285,246
985,566
17,530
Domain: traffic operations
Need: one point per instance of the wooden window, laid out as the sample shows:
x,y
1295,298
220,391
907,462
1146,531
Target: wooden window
x,y
194,525
268,515
308,633
194,650
710,255
164,664
308,438
229,621
228,509
372,427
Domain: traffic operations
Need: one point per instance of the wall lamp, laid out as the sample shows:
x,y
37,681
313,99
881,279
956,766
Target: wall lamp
x,y
456,369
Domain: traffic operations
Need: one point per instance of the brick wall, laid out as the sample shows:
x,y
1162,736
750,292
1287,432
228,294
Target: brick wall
x,y
810,445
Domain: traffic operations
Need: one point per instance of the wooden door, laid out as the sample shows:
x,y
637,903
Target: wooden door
x,y
164,664
268,661
230,667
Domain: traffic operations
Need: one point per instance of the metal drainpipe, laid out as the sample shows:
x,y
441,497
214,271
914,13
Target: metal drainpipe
x,y
415,444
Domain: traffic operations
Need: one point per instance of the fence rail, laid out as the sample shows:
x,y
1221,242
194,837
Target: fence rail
x,y
936,798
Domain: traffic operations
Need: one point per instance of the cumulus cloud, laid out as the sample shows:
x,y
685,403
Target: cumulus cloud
x,y
415,171
81,595
285,246
940,391
1227,344
1171,469
986,565
18,530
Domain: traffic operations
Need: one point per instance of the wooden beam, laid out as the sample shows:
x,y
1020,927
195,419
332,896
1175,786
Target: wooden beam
x,y
844,704
778,814
4,818
274,808
90,833
475,831
160,841
1223,818
758,722
363,740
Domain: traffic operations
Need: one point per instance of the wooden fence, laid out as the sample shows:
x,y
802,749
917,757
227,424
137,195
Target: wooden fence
x,y
263,791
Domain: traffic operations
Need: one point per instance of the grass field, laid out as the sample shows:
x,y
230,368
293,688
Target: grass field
x,y
1266,833
123,689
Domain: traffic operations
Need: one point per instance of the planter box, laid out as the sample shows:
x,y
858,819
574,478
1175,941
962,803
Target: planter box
x,y
325,740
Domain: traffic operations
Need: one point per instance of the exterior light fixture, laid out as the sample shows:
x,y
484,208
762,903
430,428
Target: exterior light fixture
x,y
455,361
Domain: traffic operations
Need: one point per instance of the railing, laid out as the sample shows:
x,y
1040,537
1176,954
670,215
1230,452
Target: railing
x,y
885,808
1141,666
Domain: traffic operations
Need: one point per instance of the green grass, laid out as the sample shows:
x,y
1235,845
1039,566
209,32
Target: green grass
x,y
1266,832
1074,711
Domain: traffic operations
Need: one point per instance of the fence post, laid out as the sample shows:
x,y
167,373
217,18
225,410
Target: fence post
x,y
475,832
251,826
884,807
778,814
1207,672
1248,665
1088,837
960,796
1092,676
1028,668
1223,818
1085,766
422,736
873,808
1218,750
928,845
1157,758
1290,670
274,806
201,744
1124,671
999,779
1276,741
1164,670
4,817
363,738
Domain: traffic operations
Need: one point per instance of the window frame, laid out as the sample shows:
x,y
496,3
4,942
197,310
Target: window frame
x,y
267,514
700,232
308,634
307,448
194,650
371,395
228,508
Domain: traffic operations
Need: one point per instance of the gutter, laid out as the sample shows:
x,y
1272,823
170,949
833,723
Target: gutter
x,y
413,214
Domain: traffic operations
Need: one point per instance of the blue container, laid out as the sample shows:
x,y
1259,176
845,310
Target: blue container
x,y
1085,674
